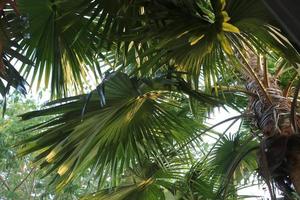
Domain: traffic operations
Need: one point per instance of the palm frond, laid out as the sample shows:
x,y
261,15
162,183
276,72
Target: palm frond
x,y
150,181
197,37
11,31
62,61
230,162
112,128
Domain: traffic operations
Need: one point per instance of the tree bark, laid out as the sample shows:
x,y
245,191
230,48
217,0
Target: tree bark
x,y
295,170
280,145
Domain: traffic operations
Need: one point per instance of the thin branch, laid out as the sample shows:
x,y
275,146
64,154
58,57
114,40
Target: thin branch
x,y
5,183
219,139
212,127
32,187
23,180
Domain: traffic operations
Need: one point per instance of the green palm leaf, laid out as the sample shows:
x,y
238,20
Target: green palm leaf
x,y
112,134
11,33
230,162
200,38
62,60
150,182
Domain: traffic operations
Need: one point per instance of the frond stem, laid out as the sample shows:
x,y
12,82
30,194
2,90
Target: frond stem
x,y
218,124
265,70
293,109
288,87
249,69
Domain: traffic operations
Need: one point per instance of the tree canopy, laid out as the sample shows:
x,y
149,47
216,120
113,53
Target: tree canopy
x,y
132,84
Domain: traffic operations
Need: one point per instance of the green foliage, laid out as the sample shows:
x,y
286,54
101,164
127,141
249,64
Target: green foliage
x,y
111,132
138,139
19,179
141,132
61,59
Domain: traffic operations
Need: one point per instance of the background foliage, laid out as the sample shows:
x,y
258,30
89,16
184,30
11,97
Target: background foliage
x,y
19,179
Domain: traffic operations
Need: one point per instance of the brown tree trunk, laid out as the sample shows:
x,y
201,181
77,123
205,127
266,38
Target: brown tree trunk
x,y
295,170
280,147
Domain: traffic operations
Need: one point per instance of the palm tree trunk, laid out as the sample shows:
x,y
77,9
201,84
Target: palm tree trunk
x,y
295,169
280,146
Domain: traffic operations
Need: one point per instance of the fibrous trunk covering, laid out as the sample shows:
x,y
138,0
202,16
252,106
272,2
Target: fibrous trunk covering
x,y
280,147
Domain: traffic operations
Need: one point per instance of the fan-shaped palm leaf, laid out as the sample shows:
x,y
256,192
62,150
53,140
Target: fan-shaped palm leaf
x,y
62,60
148,182
112,130
218,174
11,32
197,37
